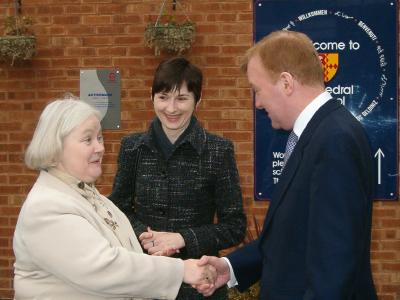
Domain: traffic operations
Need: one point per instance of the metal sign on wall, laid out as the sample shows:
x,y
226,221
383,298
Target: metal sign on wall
x,y
102,89
356,42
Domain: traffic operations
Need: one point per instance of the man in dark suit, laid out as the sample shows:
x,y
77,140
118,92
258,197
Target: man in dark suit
x,y
315,242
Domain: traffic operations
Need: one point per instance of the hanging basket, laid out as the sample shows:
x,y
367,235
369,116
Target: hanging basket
x,y
18,43
172,37
17,47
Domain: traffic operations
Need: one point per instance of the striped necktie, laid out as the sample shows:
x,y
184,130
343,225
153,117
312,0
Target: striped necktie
x,y
291,143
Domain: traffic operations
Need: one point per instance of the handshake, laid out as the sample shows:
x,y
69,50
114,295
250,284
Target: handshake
x,y
207,274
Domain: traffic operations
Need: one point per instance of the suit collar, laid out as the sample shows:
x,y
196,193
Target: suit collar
x,y
297,156
309,111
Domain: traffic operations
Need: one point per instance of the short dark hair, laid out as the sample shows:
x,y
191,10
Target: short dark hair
x,y
172,73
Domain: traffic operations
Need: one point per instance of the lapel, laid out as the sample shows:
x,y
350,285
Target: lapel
x,y
296,158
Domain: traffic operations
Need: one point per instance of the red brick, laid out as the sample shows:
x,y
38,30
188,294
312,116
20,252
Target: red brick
x,y
128,40
97,62
209,115
237,114
239,136
79,9
222,61
50,10
112,51
126,19
92,41
66,20
80,30
111,9
383,255
81,51
222,82
4,262
222,124
391,223
99,20
22,179
395,267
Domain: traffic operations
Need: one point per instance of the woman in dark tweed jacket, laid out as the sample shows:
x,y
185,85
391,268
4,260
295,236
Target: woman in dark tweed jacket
x,y
173,179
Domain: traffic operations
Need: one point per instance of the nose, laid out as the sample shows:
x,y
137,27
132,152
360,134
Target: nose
x,y
99,147
171,106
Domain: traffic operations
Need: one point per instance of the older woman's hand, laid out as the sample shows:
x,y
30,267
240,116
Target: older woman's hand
x,y
161,243
196,274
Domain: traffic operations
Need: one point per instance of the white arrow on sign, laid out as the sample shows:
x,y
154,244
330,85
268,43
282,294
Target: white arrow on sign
x,y
379,154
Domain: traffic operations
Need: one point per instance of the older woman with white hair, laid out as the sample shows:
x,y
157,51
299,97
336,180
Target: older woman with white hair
x,y
71,242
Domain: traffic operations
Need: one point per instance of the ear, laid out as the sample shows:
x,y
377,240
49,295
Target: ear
x,y
287,82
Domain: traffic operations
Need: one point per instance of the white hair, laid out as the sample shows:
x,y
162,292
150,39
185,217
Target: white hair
x,y
57,121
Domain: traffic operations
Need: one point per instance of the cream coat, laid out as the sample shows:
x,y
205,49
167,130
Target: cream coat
x,y
64,250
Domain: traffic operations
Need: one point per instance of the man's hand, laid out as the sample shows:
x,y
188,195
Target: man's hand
x,y
194,274
223,274
161,243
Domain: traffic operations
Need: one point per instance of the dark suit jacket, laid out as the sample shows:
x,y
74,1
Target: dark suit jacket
x,y
316,237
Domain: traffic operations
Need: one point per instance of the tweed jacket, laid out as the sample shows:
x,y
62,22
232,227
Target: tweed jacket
x,y
64,250
183,193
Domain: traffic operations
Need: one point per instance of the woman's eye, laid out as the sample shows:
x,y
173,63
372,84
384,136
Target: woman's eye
x,y
100,139
162,97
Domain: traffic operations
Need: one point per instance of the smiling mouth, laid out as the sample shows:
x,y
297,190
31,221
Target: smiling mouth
x,y
173,118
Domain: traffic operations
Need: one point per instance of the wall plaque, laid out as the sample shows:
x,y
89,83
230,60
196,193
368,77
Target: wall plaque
x,y
102,89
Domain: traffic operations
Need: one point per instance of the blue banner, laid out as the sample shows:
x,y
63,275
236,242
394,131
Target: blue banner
x,y
356,42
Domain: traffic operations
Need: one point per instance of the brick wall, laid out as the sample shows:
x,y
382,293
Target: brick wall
x,y
78,34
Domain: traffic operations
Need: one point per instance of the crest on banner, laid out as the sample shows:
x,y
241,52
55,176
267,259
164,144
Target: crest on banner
x,y
330,62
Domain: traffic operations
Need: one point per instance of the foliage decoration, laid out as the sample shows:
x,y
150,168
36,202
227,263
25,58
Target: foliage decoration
x,y
170,36
18,43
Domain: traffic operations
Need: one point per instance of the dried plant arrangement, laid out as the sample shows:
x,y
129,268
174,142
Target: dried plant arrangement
x,y
169,36
18,42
